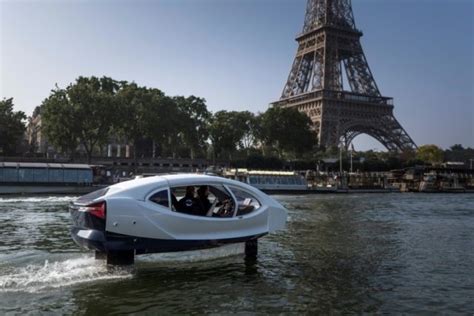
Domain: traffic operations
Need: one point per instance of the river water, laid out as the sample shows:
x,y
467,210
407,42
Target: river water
x,y
374,253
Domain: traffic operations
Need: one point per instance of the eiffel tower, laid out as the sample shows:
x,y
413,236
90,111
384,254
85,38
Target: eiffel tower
x,y
329,43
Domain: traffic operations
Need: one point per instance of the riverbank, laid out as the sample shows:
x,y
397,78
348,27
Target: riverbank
x,y
49,178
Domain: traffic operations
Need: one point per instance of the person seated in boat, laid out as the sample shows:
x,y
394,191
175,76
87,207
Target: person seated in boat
x,y
225,208
188,203
244,206
204,206
203,203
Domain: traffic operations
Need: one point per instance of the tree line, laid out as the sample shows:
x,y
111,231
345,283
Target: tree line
x,y
93,111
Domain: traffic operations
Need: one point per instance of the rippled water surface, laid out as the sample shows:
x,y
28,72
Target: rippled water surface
x,y
383,253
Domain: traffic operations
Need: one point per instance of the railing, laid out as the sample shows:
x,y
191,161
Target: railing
x,y
319,27
338,95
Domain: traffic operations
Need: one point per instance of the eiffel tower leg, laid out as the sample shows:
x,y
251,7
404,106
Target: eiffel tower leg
x,y
330,133
385,129
350,137
395,137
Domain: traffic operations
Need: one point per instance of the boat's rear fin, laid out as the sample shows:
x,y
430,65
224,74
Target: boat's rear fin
x,y
276,218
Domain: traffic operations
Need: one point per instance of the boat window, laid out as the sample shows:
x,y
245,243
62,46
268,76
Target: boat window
x,y
161,198
202,200
246,202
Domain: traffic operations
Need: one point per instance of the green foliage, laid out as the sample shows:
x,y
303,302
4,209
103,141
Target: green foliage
x,y
226,131
257,161
59,123
287,130
163,124
145,113
430,154
93,110
132,104
251,125
456,147
82,113
194,120
459,154
12,127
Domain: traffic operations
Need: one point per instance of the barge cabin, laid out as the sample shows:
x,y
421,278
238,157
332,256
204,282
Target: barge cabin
x,y
23,177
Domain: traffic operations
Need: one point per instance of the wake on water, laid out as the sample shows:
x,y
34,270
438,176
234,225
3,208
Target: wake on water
x,y
37,199
50,275
56,274
192,256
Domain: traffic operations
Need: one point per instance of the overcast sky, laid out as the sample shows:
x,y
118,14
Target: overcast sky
x,y
237,53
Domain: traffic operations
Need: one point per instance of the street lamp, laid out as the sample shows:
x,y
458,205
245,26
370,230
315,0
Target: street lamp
x,y
340,158
352,151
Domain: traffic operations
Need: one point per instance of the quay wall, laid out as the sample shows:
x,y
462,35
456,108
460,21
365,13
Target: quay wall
x,y
418,179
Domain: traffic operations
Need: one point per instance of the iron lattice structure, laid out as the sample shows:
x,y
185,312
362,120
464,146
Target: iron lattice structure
x,y
329,44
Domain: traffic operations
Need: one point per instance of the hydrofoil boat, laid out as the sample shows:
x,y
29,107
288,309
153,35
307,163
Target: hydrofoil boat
x,y
172,213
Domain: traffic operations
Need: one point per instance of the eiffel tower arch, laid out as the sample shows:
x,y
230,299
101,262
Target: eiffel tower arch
x,y
329,45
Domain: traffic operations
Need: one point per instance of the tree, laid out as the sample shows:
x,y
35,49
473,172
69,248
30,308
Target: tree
x,y
58,121
430,153
82,113
287,130
194,123
147,114
251,129
226,132
94,102
456,147
133,103
164,123
12,127
460,154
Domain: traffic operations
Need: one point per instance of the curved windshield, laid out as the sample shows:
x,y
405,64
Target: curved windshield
x,y
246,202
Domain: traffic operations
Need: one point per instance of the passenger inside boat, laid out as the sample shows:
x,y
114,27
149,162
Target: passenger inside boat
x,y
209,201
203,204
188,203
